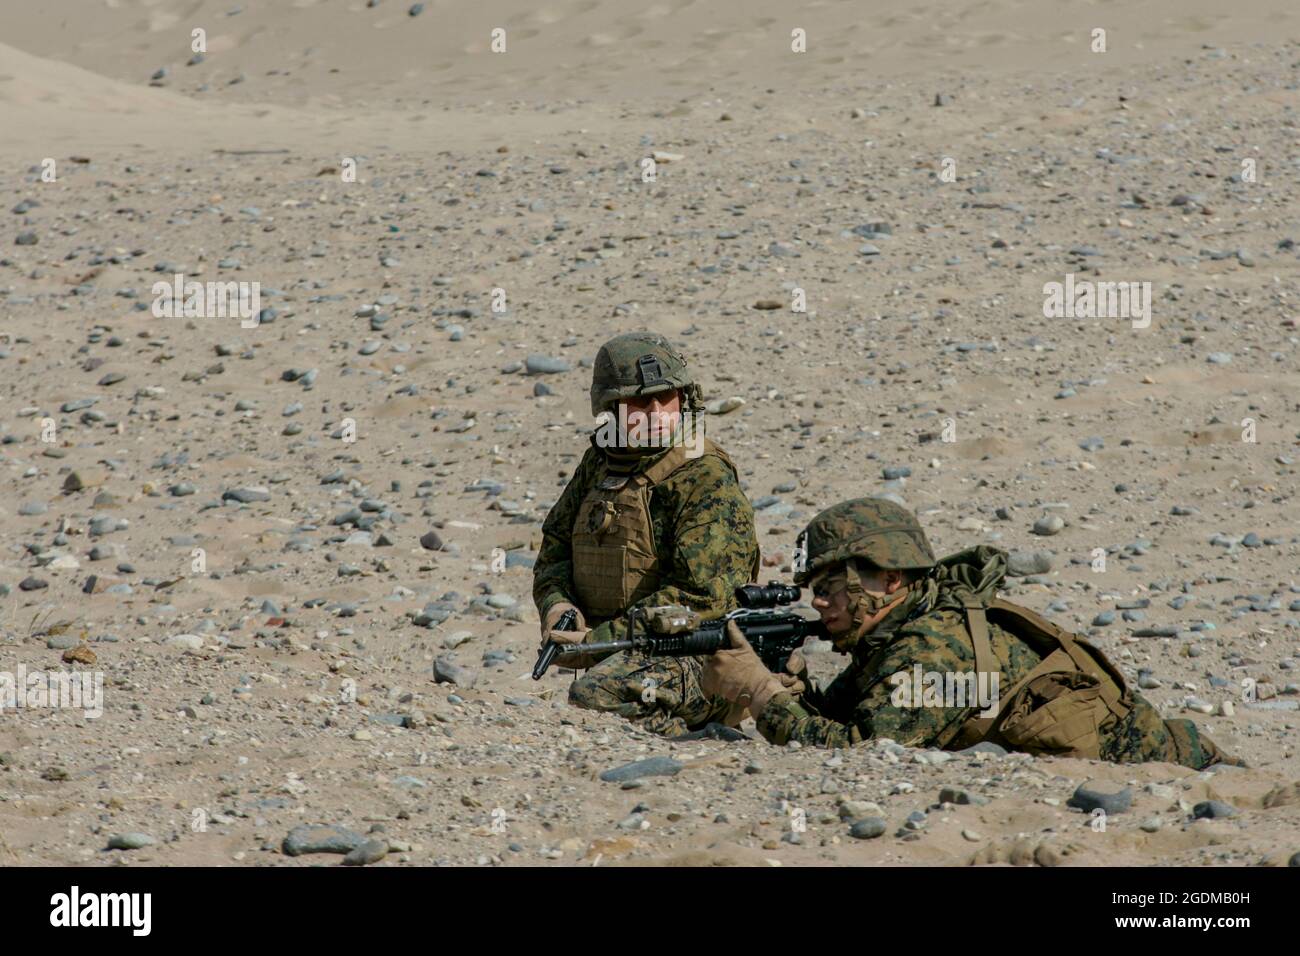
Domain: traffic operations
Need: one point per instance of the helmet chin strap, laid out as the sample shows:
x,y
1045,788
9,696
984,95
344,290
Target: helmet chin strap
x,y
866,609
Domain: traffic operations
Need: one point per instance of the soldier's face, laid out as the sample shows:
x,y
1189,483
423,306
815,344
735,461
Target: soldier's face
x,y
831,601
831,596
652,420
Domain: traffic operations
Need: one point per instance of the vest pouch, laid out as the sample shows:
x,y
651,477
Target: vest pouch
x,y
1057,714
614,564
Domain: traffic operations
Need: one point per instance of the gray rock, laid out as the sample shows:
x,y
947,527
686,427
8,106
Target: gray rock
x,y
32,584
62,642
371,851
545,365
321,838
868,828
1213,810
985,747
31,508
430,541
447,671
650,767
1088,800
246,495
105,525
130,841
1023,563
960,796
1049,525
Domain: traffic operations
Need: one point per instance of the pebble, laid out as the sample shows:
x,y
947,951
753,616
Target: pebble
x,y
1024,563
963,797
1088,800
722,406
985,747
545,365
447,671
868,828
371,851
246,495
650,767
130,841
859,809
456,639
430,541
1213,810
321,838
1049,525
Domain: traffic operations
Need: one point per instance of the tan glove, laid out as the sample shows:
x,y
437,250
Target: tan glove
x,y
795,676
563,637
738,675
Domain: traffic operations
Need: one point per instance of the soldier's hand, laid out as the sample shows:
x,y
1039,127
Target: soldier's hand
x,y
795,676
738,675
563,637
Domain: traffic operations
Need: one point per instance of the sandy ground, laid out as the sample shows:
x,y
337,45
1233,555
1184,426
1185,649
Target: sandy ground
x,y
269,663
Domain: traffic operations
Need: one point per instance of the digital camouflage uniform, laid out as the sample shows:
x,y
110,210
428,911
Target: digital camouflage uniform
x,y
704,544
930,628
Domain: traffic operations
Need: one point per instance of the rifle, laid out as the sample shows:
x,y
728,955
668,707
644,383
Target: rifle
x,y
568,622
678,632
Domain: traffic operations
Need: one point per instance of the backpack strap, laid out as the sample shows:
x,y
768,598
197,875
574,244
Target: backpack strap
x,y
1083,655
976,728
667,463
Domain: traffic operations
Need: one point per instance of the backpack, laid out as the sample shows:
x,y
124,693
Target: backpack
x,y
1061,707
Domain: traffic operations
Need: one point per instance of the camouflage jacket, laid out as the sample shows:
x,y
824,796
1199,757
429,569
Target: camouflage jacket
x,y
703,532
928,629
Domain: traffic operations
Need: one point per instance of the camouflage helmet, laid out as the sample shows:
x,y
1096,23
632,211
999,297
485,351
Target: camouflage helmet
x,y
874,530
640,363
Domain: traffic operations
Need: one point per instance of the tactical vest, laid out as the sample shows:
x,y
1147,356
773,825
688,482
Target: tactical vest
x,y
614,559
1063,706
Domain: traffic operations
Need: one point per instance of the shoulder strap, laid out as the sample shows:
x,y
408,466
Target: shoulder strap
x,y
668,462
677,456
978,627
1084,657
